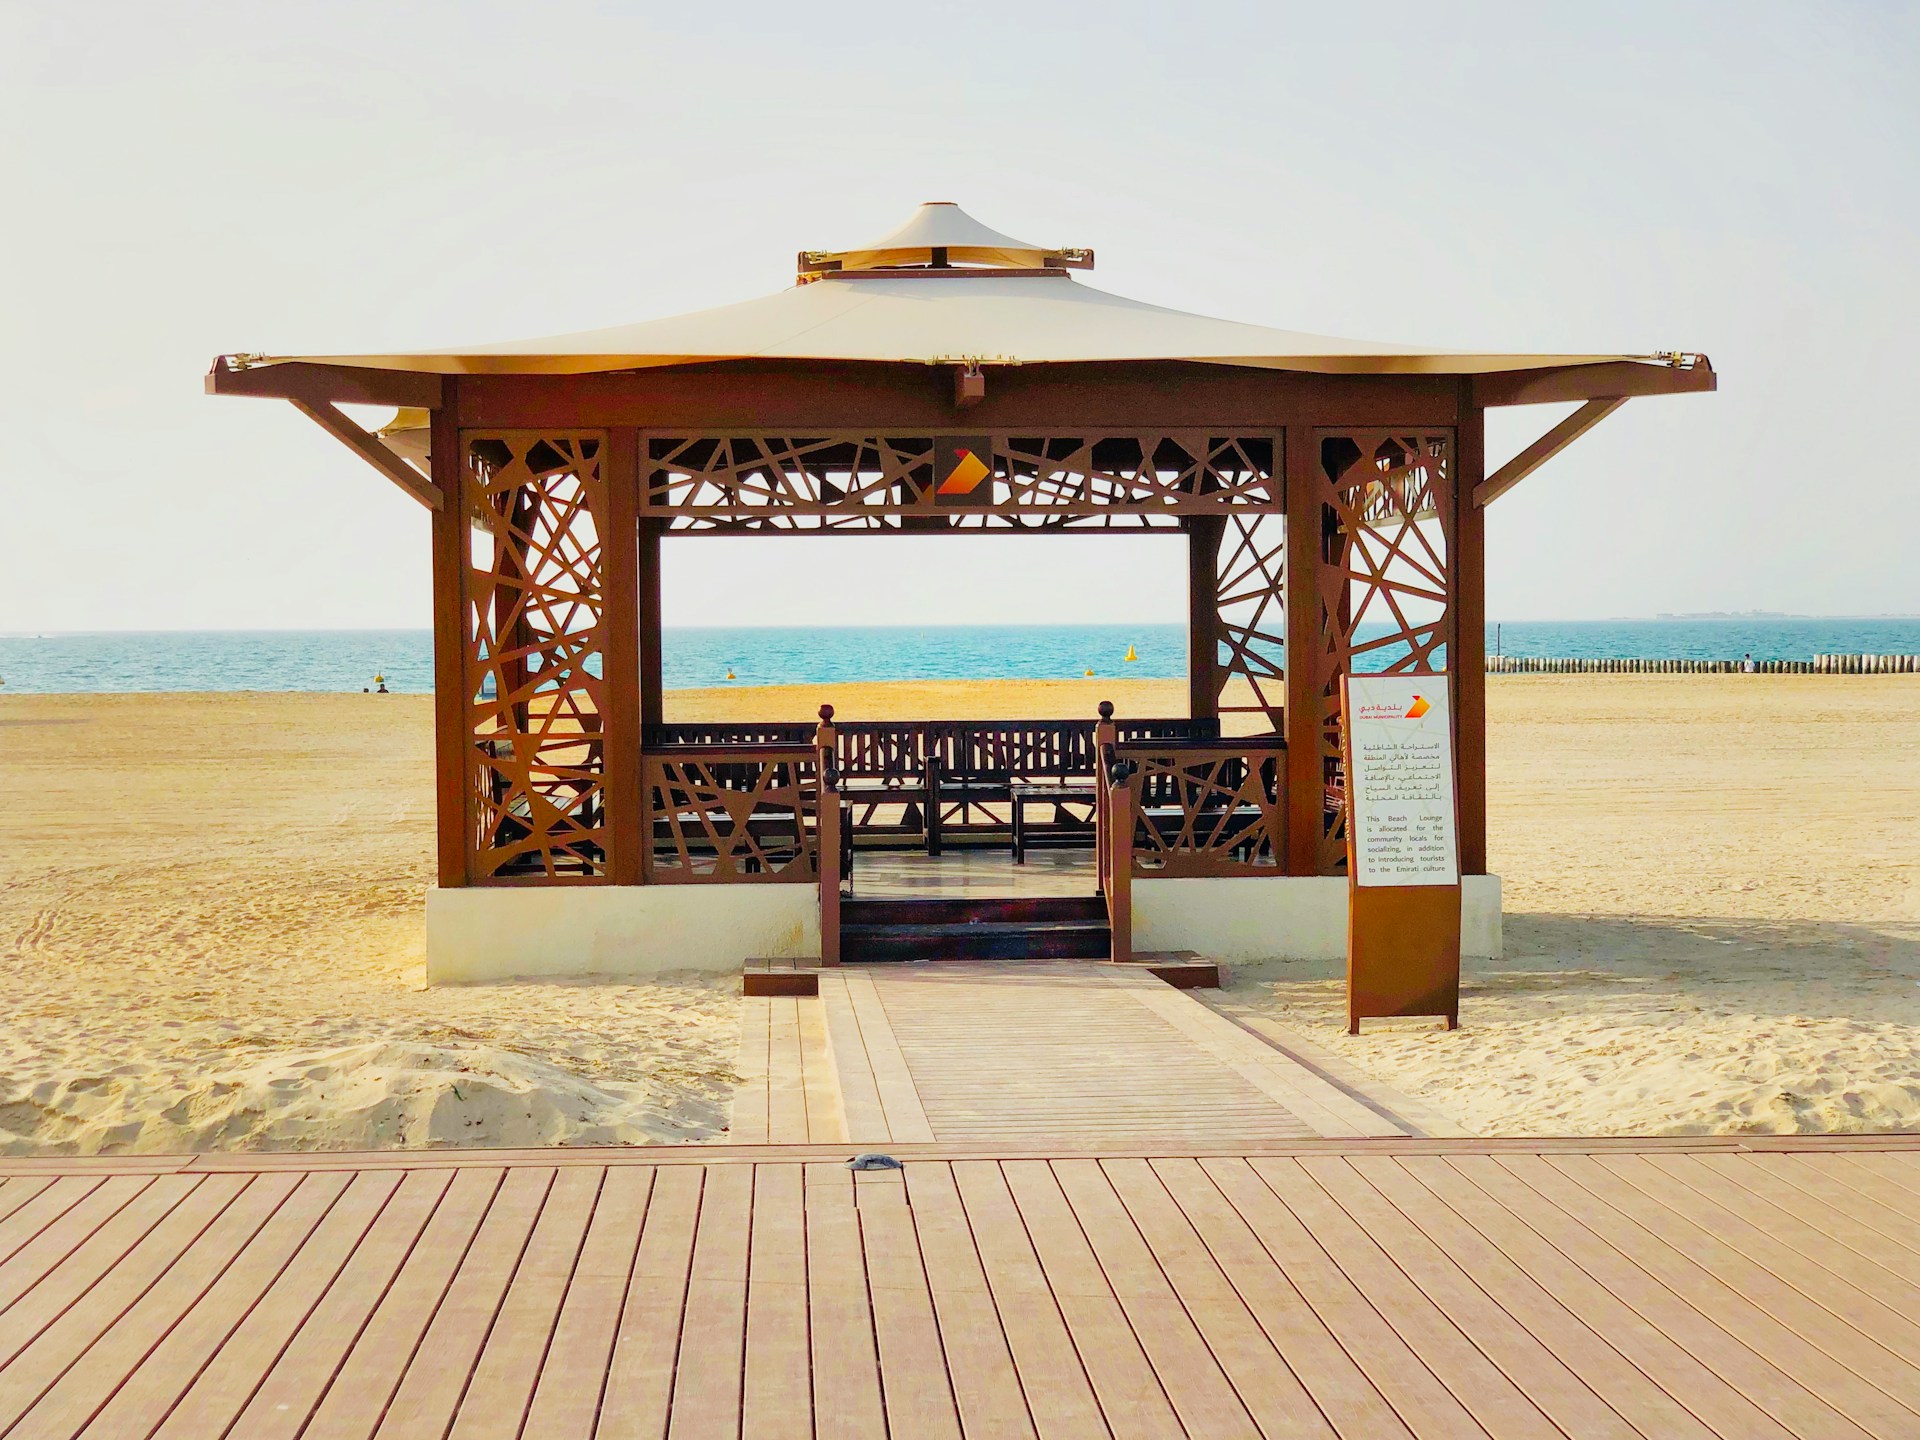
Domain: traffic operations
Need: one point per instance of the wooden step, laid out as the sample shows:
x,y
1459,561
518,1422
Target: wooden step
x,y
984,940
990,910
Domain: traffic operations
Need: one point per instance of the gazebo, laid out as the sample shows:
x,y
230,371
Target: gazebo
x,y
944,378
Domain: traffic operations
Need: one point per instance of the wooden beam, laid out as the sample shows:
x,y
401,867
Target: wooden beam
x,y
452,747
1204,533
1305,717
338,384
620,660
1593,382
1544,449
1467,646
372,449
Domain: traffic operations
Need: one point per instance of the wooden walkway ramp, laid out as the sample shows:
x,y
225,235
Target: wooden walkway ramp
x,y
1051,1053
1392,1287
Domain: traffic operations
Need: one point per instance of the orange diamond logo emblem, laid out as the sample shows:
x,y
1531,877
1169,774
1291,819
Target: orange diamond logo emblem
x,y
1418,708
967,472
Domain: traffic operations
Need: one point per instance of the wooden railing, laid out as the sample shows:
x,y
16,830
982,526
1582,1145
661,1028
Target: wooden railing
x,y
732,814
1180,809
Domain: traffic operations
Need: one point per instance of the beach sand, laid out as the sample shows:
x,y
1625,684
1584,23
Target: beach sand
x,y
211,932
1712,892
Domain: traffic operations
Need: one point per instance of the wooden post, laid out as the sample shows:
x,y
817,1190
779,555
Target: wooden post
x,y
1104,735
1306,775
451,700
826,746
651,700
1203,615
1467,645
620,731
1120,821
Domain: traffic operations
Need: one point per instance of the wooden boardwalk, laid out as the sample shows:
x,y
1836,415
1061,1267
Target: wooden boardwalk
x,y
1359,1288
1062,1053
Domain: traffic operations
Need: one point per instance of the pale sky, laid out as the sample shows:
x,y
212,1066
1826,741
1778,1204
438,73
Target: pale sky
x,y
180,180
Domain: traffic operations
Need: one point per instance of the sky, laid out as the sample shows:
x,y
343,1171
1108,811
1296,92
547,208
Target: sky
x,y
184,180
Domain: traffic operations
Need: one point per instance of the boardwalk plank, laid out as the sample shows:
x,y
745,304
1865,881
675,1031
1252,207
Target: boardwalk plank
x,y
986,1388
1675,1313
1131,1396
1424,1405
752,1113
566,1400
1549,1384
639,1394
778,1399
713,1330
1339,1390
1183,1274
1190,1374
899,1096
825,1121
293,1304
1060,1396
156,1374
58,1381
18,1190
1870,1295
865,1118
1837,1212
40,1236
498,1397
377,1362
1495,1402
913,1368
1746,1300
1686,1376
125,1254
443,1365
846,1365
1581,1348
786,1074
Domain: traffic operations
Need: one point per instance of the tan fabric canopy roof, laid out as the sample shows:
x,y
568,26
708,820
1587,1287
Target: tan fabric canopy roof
x,y
971,310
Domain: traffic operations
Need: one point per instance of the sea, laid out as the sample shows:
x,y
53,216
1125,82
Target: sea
x,y
351,660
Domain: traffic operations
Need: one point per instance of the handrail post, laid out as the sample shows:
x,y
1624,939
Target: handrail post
x,y
1120,880
827,833
1104,734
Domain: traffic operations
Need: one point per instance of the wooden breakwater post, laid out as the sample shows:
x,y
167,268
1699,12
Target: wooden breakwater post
x,y
1833,664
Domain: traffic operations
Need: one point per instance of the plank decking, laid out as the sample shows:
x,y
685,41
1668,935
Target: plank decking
x,y
1061,1053
1394,1286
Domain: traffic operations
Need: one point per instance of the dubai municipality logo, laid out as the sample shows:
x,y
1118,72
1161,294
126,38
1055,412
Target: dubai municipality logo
x,y
960,465
1417,709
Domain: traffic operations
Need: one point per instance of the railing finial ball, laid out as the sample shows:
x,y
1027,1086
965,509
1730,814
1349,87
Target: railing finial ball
x,y
1106,709
826,713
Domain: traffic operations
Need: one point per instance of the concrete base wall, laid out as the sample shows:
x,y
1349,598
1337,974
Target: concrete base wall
x,y
622,931
1282,917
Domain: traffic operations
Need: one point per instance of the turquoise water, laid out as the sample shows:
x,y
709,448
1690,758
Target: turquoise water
x,y
346,660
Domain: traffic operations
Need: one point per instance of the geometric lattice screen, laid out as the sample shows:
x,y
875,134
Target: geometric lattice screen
x,y
887,482
1385,590
1250,597
536,510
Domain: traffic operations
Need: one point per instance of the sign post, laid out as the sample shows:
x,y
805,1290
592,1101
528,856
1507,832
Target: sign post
x,y
1403,866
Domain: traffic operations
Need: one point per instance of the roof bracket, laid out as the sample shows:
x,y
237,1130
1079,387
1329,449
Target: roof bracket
x,y
969,385
373,450
1545,448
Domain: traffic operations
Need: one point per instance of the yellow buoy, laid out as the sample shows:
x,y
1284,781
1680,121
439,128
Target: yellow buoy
x,y
731,675
379,679
1130,654
1089,674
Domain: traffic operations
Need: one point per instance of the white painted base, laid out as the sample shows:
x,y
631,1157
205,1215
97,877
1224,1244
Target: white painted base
x,y
622,931
1282,917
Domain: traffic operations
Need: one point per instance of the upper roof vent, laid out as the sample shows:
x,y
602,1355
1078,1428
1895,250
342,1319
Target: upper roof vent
x,y
941,239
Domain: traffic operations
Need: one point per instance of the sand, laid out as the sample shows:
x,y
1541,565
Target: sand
x,y
211,935
1712,889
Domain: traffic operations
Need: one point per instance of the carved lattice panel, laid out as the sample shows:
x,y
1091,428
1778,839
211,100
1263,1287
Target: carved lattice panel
x,y
1250,598
1384,582
731,817
762,482
536,507
1208,811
